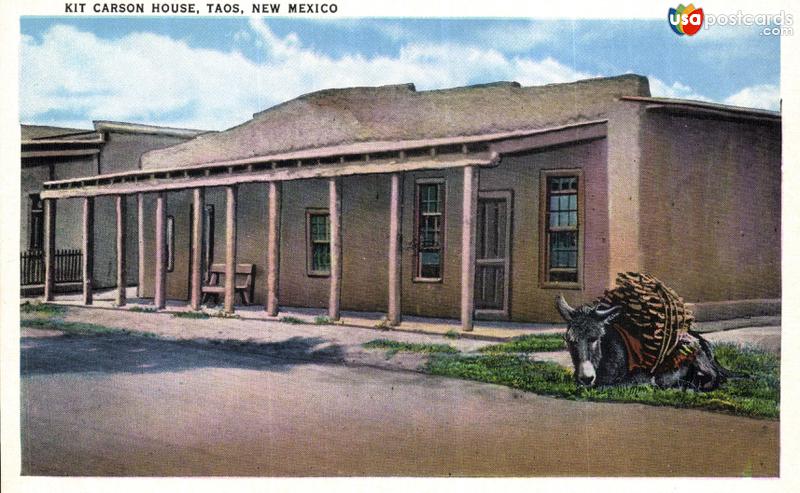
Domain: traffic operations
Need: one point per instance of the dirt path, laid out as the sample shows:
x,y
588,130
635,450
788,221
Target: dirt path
x,y
134,406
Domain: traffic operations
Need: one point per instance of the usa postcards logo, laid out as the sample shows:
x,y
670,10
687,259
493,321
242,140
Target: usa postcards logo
x,y
685,20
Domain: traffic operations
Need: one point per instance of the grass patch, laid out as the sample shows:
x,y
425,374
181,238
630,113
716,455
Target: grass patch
x,y
322,320
223,314
195,315
81,328
394,347
139,309
452,334
528,344
292,320
46,309
755,396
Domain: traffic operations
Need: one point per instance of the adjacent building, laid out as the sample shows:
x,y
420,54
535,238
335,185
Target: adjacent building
x,y
55,153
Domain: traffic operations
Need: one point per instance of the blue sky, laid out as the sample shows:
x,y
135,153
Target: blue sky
x,y
214,73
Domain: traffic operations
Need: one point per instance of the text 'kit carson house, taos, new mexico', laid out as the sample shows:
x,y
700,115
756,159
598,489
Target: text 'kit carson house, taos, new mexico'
x,y
479,202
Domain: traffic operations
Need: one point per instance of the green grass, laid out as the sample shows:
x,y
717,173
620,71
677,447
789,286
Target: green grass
x,y
292,320
529,344
45,309
80,328
195,315
756,396
139,309
452,334
394,347
322,320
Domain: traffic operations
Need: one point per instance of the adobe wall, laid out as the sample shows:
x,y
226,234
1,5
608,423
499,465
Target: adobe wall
x,y
711,206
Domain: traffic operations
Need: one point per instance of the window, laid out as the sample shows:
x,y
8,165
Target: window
x,y
170,243
561,229
36,223
318,240
429,241
208,236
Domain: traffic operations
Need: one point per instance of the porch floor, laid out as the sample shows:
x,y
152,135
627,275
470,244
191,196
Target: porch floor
x,y
487,330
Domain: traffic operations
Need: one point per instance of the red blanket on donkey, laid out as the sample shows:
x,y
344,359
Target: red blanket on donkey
x,y
654,323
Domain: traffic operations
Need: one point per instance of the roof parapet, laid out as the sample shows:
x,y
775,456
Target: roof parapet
x,y
139,128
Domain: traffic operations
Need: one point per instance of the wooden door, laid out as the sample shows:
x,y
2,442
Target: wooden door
x,y
493,255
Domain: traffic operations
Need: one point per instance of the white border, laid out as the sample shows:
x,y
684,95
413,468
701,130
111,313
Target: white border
x,y
626,9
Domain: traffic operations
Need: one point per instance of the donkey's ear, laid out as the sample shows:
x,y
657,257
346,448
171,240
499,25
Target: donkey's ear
x,y
607,313
563,308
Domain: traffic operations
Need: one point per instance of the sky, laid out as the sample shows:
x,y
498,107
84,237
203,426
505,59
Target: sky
x,y
214,73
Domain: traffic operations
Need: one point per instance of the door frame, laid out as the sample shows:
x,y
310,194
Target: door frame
x,y
505,312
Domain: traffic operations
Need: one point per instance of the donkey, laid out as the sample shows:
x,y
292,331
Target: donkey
x,y
601,358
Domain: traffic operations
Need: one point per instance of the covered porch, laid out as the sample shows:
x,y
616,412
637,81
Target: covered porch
x,y
466,155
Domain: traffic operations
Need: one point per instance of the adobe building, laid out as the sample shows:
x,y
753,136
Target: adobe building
x,y
474,202
56,153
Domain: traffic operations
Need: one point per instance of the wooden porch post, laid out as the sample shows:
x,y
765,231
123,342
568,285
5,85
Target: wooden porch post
x,y
230,247
273,248
49,248
395,290
161,251
198,204
468,233
140,237
335,211
122,265
88,249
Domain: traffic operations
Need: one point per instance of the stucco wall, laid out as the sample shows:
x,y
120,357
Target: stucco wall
x,y
624,158
69,212
529,301
34,173
122,150
711,206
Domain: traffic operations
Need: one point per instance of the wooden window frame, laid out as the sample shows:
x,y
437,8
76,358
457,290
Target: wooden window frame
x,y
35,222
310,272
544,244
170,242
442,182
208,239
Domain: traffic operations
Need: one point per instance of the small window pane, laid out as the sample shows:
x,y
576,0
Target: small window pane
x,y
321,257
430,264
429,237
319,243
562,276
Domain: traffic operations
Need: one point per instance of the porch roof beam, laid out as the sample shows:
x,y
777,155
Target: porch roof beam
x,y
264,176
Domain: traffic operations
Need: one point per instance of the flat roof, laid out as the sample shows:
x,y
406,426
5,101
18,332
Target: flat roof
x,y
704,105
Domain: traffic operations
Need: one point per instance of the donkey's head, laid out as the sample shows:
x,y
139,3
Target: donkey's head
x,y
586,325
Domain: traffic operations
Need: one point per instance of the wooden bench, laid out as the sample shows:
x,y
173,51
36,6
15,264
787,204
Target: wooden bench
x,y
243,279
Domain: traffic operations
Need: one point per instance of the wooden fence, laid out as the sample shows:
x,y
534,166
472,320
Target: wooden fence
x,y
68,265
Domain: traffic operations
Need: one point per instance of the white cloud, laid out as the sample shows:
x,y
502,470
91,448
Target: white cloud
x,y
678,90
766,96
153,78
150,78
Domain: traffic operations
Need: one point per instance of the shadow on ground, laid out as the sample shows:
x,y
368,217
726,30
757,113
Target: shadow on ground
x,y
125,354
